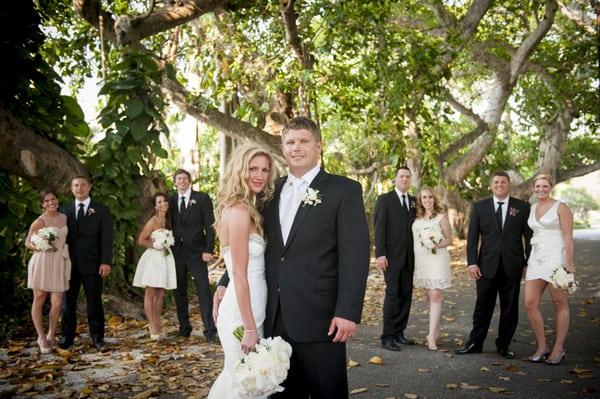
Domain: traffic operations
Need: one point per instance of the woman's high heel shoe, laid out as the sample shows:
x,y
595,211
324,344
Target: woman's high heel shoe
x,y
155,337
431,347
538,359
43,349
556,362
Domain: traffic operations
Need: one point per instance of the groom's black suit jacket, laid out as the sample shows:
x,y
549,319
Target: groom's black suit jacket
x,y
193,227
90,244
322,271
509,247
393,234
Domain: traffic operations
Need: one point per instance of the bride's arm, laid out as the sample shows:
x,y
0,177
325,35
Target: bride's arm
x,y
238,226
144,238
565,217
446,232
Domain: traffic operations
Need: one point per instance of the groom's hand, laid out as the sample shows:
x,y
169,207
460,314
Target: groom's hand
x,y
474,272
217,298
206,256
104,270
382,263
344,329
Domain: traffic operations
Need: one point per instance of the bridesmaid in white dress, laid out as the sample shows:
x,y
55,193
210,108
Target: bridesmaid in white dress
x,y
432,270
551,246
48,271
155,270
247,184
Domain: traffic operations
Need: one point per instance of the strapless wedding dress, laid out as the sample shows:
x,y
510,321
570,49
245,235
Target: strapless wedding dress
x,y
229,315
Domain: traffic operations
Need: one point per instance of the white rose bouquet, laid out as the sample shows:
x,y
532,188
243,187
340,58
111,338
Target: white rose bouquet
x,y
430,236
43,238
260,372
564,280
162,239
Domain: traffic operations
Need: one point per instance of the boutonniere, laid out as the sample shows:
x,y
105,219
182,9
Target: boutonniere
x,y
192,202
513,211
311,197
91,211
413,204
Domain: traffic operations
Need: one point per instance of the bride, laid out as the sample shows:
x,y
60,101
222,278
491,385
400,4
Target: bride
x,y
247,184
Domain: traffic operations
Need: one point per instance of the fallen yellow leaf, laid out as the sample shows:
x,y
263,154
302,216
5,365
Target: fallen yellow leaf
x,y
358,390
352,363
497,389
411,395
566,381
376,360
484,369
577,370
451,386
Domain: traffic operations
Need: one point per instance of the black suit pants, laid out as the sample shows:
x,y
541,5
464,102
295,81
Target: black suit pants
x,y
92,287
397,300
185,263
487,290
317,369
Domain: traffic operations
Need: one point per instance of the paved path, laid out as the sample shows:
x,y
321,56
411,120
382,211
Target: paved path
x,y
416,370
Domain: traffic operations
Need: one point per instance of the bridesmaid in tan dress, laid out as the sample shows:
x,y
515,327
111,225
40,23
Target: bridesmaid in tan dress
x,y
48,271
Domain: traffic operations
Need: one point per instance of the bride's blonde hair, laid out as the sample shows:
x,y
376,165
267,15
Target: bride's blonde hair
x,y
234,189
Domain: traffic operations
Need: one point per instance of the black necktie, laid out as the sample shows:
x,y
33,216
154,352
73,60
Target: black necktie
x,y
182,205
499,215
404,204
80,216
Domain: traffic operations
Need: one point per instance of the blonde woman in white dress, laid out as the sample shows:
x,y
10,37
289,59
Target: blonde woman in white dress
x,y
247,184
432,270
551,246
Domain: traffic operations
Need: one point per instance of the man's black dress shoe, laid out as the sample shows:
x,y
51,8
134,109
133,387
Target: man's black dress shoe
x,y
184,333
211,337
391,345
65,343
98,343
505,353
403,340
468,348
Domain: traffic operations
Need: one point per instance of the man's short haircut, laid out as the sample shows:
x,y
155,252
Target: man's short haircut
x,y
302,122
182,171
501,173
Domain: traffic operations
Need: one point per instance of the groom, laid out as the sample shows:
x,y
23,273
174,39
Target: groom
x,y
497,251
90,247
317,260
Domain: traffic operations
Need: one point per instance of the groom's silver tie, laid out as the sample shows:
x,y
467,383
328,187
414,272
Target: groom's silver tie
x,y
291,206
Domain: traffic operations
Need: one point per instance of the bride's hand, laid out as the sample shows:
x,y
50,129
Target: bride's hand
x,y
249,340
217,298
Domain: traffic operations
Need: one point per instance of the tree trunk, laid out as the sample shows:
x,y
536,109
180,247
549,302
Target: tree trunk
x,y
26,154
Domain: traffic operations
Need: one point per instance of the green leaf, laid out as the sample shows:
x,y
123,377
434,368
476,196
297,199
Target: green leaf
x,y
134,154
139,126
134,108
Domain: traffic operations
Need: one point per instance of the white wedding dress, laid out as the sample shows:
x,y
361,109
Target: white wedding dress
x,y
229,315
547,244
431,270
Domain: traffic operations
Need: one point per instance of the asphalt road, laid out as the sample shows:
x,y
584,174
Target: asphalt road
x,y
427,374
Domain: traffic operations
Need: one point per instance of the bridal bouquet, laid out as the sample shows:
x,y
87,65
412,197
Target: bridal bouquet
x,y
564,280
163,239
43,238
430,236
260,372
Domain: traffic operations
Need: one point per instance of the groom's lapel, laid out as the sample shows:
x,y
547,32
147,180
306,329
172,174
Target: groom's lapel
x,y
275,210
318,184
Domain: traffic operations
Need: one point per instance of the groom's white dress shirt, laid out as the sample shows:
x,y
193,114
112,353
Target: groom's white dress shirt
x,y
291,195
504,207
86,205
404,200
187,196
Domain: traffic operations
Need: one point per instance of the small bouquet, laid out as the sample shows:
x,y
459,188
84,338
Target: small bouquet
x,y
312,197
43,239
162,239
260,372
564,280
430,236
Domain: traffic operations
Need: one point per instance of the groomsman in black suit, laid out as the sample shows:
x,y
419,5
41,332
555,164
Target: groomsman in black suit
x,y
317,261
192,219
90,248
497,251
395,212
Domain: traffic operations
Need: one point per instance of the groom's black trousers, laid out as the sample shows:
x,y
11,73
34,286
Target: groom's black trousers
x,y
317,369
487,291
92,287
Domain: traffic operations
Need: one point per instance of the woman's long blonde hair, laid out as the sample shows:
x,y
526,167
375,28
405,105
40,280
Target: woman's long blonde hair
x,y
437,208
234,190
